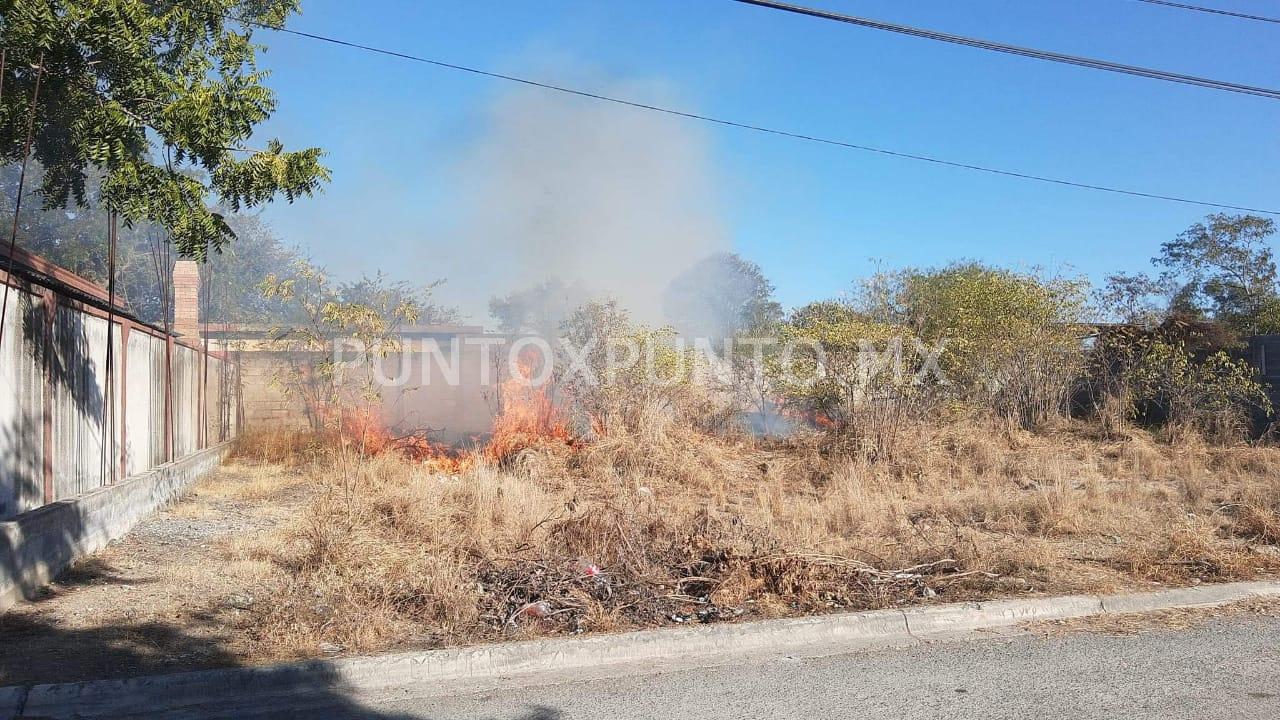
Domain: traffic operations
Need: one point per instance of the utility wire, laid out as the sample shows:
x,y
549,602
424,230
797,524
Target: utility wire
x,y
1215,11
1077,60
741,125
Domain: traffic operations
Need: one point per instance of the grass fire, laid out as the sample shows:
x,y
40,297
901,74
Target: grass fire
x,y
630,479
644,334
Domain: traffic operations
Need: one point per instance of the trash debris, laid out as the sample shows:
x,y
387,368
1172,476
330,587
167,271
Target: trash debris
x,y
538,609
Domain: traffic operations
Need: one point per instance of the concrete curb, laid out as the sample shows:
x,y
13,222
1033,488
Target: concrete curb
x,y
1199,596
218,691
958,618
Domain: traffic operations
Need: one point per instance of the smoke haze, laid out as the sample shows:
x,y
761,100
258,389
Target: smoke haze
x,y
557,187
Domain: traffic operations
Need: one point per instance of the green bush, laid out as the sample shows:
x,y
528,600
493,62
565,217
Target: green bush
x,y
1212,397
1011,342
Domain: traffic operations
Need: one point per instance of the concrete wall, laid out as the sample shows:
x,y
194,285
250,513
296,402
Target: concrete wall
x,y
449,398
86,434
102,420
144,411
264,401
37,545
221,386
22,391
186,400
75,417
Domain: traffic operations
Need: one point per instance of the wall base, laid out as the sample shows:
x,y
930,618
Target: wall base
x,y
38,545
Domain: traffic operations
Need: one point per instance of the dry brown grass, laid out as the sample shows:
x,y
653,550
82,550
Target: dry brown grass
x,y
685,528
285,446
254,481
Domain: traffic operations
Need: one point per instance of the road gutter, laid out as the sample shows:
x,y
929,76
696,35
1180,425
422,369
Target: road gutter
x,y
217,692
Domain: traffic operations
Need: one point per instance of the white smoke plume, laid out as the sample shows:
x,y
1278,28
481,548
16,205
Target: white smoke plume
x,y
618,200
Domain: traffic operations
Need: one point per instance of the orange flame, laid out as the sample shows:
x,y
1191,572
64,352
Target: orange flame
x,y
362,429
529,414
810,417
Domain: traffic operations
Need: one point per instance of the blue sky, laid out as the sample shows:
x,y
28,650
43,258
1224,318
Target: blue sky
x,y
814,217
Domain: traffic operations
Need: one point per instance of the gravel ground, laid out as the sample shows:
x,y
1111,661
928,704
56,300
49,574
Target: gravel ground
x,y
161,599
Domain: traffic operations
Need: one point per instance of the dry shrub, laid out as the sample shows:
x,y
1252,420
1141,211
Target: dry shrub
x,y
654,523
1257,514
1260,523
649,445
1193,551
277,445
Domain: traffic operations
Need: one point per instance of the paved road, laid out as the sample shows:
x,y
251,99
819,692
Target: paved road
x,y
1228,669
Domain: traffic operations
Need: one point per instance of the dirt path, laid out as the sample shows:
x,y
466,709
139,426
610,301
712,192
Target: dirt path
x,y
162,599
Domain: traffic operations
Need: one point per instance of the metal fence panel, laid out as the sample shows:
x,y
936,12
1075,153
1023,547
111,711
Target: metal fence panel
x,y
22,404
85,436
143,425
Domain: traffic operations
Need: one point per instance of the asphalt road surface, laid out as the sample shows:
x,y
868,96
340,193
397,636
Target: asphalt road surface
x,y
1229,668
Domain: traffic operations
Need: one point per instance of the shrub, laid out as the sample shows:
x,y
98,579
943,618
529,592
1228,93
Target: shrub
x,y
1012,340
857,376
362,318
611,370
1182,374
1212,397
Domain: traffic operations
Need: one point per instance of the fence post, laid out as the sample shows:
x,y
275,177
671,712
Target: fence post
x,y
202,430
50,313
124,399
168,398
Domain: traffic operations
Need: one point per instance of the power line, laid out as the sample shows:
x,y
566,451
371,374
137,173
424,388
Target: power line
x,y
740,125
1215,11
1077,60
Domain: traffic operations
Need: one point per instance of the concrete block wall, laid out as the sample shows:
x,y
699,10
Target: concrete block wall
x,y
263,399
456,403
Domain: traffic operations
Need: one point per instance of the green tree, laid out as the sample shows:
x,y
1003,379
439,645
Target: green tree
x,y
335,335
162,97
719,297
1131,299
76,239
233,276
538,310
1225,267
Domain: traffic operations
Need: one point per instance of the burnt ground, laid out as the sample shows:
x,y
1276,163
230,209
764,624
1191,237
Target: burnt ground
x,y
162,599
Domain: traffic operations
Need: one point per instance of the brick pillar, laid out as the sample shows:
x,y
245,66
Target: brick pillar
x,y
186,299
